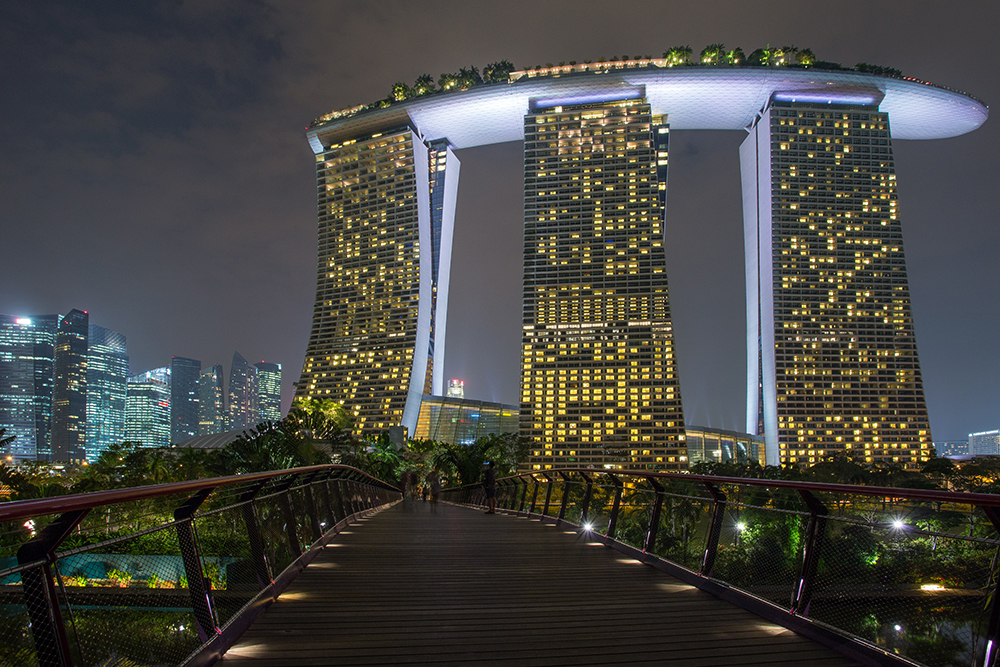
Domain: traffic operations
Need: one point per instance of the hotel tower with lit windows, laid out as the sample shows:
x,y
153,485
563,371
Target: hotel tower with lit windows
x,y
834,367
832,362
598,376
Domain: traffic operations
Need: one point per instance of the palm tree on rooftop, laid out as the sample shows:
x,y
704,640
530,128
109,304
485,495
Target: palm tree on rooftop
x,y
713,54
678,55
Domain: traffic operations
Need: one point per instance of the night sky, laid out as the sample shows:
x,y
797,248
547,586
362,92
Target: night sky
x,y
154,172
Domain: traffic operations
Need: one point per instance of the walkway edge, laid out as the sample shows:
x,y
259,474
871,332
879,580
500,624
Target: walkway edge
x,y
212,651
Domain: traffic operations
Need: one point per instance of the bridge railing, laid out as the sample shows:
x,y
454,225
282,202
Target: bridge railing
x,y
885,574
168,574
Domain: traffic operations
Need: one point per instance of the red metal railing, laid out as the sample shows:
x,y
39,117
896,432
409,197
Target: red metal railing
x,y
164,574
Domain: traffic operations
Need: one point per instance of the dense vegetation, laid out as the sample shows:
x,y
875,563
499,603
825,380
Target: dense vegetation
x,y
675,56
314,432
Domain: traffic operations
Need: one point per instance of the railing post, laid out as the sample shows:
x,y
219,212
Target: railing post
x,y
338,494
199,588
534,495
654,517
258,557
285,495
548,494
47,628
524,494
586,499
565,498
615,507
993,625
324,489
317,531
714,531
810,559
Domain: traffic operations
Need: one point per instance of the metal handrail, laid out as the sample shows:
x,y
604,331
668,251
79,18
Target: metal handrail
x,y
814,554
24,509
279,529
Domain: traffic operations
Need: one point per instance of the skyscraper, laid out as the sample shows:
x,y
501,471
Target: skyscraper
x,y
386,214
69,389
269,391
183,398
211,402
27,357
107,374
831,353
147,408
244,412
599,381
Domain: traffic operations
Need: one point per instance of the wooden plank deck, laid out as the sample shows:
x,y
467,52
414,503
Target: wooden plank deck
x,y
409,587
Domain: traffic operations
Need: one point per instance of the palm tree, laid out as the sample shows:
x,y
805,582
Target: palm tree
x,y
497,72
735,57
805,57
400,91
713,54
448,81
423,85
678,55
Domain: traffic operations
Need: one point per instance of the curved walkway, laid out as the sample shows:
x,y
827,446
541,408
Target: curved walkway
x,y
456,587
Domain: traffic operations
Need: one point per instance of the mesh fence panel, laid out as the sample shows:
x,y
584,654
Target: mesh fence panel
x,y
17,646
226,560
122,602
685,521
271,517
909,578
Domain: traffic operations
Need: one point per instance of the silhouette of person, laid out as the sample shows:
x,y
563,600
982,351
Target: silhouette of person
x,y
490,486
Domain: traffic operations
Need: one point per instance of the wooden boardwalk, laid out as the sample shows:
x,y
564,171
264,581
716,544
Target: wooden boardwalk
x,y
406,586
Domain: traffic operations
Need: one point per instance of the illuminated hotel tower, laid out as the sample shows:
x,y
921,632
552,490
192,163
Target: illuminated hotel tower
x,y
599,381
832,358
386,215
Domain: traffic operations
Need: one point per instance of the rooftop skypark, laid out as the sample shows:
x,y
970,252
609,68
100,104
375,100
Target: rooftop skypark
x,y
713,55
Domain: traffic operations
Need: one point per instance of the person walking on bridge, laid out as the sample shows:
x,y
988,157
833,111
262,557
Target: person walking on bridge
x,y
490,486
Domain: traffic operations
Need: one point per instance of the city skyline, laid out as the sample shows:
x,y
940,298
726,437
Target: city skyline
x,y
947,272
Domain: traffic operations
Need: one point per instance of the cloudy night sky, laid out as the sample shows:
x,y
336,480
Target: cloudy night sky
x,y
154,172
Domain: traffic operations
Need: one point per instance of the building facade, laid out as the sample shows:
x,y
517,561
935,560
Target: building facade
x,y
107,376
147,408
595,279
984,443
831,352
714,445
269,391
27,358
69,388
458,421
184,399
244,412
212,402
386,213
599,381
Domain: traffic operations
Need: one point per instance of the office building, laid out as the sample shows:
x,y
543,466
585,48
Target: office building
x,y
183,398
832,356
268,391
459,421
714,445
244,412
212,402
984,443
27,357
386,213
107,375
147,408
599,381
69,388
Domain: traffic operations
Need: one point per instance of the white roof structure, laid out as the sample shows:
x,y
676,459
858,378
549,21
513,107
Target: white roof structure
x,y
693,98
